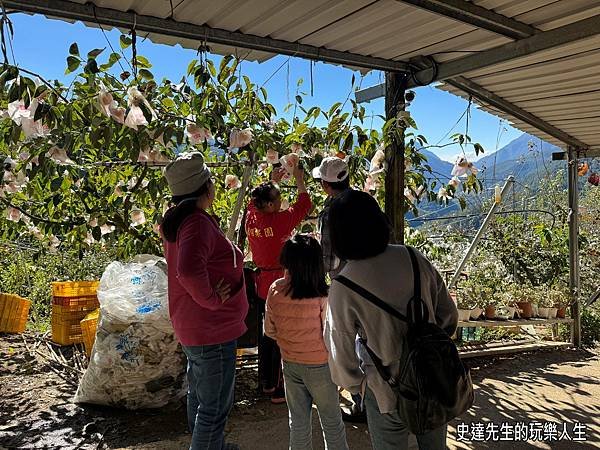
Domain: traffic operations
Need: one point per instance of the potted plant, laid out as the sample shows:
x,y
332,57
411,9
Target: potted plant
x,y
524,305
559,297
506,306
471,299
544,307
463,305
490,302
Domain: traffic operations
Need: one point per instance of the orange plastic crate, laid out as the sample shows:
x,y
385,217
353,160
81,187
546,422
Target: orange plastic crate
x,y
67,333
88,330
13,313
74,288
91,302
71,302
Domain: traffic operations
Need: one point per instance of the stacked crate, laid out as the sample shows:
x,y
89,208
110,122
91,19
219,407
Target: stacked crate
x,y
71,302
13,313
88,330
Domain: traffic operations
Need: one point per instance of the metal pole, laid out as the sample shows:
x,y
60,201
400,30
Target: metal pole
x,y
509,182
394,155
574,244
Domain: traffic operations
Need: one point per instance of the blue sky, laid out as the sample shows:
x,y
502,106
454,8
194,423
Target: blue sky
x,y
41,45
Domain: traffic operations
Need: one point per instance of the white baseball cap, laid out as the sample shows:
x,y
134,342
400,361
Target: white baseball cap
x,y
332,170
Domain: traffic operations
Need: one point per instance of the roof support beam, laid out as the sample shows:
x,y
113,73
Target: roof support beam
x,y
498,102
114,18
591,153
477,16
541,41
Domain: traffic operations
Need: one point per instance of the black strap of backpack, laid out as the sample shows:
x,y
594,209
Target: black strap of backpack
x,y
371,297
417,310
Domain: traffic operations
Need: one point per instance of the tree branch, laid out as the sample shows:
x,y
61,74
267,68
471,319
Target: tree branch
x,y
40,219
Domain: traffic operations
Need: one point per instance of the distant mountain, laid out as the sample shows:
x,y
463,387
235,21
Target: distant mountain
x,y
527,158
439,167
441,170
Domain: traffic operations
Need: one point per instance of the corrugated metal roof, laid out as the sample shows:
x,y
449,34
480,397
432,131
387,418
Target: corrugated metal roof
x,y
558,85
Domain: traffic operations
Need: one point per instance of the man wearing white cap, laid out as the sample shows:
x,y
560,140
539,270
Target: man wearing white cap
x,y
335,179
334,175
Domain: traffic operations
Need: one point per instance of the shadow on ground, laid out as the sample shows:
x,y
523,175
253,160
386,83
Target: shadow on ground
x,y
561,387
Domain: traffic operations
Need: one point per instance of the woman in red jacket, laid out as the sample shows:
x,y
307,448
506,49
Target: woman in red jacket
x,y
268,227
207,298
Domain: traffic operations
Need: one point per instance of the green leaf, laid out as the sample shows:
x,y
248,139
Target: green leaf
x,y
142,61
224,62
72,64
211,68
185,109
146,74
91,67
168,102
348,142
299,99
96,52
124,41
112,59
108,132
147,112
191,67
334,108
41,111
478,148
74,49
264,93
201,76
40,90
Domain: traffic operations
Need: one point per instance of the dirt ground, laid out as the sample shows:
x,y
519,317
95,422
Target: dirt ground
x,y
36,411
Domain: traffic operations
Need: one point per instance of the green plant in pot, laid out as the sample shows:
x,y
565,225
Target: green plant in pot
x,y
506,308
560,299
523,296
470,298
539,301
545,305
465,304
490,302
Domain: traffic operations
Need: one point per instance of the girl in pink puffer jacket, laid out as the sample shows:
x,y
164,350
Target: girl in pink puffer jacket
x,y
294,317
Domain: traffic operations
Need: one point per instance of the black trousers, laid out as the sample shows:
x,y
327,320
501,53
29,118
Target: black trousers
x,y
270,371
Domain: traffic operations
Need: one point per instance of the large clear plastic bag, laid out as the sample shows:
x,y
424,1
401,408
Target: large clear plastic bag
x,y
136,361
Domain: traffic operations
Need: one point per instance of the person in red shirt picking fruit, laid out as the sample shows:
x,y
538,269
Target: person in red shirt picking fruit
x,y
268,228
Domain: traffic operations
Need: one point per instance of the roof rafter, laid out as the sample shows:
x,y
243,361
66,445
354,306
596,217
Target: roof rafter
x,y
498,102
543,40
112,17
477,16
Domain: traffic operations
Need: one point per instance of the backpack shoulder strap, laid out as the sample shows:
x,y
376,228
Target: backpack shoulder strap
x,y
416,271
370,297
416,309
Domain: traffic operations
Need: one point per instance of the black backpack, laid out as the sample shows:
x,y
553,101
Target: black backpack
x,y
433,386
